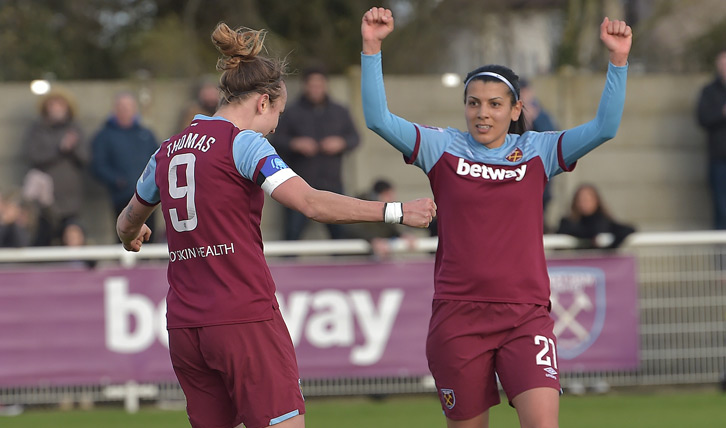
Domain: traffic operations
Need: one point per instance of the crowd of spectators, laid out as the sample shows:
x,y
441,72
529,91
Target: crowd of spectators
x,y
313,137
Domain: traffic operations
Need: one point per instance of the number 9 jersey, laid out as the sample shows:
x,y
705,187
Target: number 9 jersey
x,y
210,180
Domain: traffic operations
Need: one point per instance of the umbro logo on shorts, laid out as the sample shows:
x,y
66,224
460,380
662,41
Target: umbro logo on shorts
x,y
550,372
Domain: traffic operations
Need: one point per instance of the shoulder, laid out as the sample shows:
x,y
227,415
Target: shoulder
x,y
537,138
335,105
145,129
249,135
103,133
249,138
712,87
450,132
36,126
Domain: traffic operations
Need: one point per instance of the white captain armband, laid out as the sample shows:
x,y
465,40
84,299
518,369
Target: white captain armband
x,y
393,212
274,172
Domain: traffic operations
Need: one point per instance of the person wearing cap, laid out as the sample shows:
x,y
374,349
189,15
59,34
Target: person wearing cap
x,y
54,146
490,314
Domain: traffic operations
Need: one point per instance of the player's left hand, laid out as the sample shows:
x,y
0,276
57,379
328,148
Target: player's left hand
x,y
618,38
135,244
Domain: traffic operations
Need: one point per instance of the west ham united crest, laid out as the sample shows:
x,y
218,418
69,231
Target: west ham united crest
x,y
448,397
515,156
578,308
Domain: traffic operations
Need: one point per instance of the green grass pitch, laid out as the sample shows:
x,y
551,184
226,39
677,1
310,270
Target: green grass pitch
x,y
704,408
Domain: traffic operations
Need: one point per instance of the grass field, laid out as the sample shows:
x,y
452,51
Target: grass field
x,y
701,409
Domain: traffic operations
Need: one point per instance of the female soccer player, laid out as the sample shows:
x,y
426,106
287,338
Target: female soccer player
x,y
490,312
229,346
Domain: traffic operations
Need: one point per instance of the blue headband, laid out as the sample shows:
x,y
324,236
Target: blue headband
x,y
495,75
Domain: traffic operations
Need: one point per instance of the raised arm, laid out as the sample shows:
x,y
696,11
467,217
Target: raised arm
x,y
617,37
377,24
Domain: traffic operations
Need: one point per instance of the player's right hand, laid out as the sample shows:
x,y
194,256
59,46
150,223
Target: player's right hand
x,y
377,24
618,38
135,244
419,212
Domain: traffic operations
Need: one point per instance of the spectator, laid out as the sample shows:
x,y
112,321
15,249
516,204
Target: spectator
x,y
539,120
14,222
314,134
54,145
121,149
206,101
74,235
712,117
589,217
379,235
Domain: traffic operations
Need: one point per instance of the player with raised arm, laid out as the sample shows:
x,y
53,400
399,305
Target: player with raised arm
x,y
229,346
490,313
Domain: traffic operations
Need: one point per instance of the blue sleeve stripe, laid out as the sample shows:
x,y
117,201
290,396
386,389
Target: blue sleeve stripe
x,y
284,417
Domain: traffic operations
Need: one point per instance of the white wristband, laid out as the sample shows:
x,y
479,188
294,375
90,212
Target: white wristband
x,y
393,213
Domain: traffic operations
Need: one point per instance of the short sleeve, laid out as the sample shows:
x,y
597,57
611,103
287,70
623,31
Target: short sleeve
x,y
248,149
146,187
256,160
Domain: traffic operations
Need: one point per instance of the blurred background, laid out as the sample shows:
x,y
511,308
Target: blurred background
x,y
653,175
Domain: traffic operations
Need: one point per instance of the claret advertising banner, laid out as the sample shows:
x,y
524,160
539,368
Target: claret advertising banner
x,y
75,326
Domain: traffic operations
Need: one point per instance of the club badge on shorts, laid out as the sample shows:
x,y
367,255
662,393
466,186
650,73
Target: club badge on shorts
x,y
448,397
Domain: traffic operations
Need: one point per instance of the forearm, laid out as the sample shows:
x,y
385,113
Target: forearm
x,y
329,207
131,220
581,140
400,133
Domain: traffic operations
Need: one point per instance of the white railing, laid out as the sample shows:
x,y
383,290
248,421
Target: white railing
x,y
340,247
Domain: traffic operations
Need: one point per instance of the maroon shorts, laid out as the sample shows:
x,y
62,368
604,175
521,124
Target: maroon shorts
x,y
470,343
238,373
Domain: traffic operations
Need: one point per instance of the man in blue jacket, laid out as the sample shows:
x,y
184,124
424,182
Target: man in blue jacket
x,y
121,150
712,117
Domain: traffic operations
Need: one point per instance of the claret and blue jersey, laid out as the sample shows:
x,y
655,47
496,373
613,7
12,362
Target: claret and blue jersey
x,y
489,201
210,180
